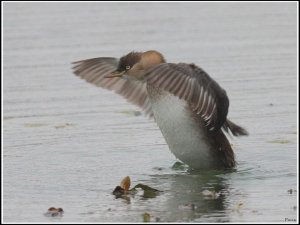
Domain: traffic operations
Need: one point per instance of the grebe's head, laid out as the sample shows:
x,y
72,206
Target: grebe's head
x,y
133,64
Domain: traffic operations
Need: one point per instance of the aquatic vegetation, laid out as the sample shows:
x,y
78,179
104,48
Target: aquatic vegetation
x,y
146,217
279,141
125,183
64,125
149,192
123,191
131,112
52,212
210,194
179,166
35,124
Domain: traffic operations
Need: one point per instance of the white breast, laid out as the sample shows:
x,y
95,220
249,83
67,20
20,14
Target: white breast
x,y
183,135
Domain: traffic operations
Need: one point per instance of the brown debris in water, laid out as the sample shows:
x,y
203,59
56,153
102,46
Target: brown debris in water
x,y
123,189
52,212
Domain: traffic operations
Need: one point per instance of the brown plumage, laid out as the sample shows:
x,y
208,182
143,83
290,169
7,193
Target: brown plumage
x,y
94,71
202,96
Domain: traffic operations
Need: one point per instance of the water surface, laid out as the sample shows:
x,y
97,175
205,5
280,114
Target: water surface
x,y
68,144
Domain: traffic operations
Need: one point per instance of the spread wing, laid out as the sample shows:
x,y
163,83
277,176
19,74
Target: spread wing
x,y
194,85
94,71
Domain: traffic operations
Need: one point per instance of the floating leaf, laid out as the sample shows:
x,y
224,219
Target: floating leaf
x,y
179,166
35,124
54,212
149,192
64,125
123,191
146,217
118,192
125,183
131,112
279,141
145,187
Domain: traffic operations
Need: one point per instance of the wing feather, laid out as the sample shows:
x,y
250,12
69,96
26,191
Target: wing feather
x,y
194,85
94,71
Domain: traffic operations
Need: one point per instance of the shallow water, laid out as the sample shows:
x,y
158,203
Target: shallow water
x,y
68,144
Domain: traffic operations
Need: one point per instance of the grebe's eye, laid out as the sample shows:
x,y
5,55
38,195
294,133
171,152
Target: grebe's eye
x,y
127,67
